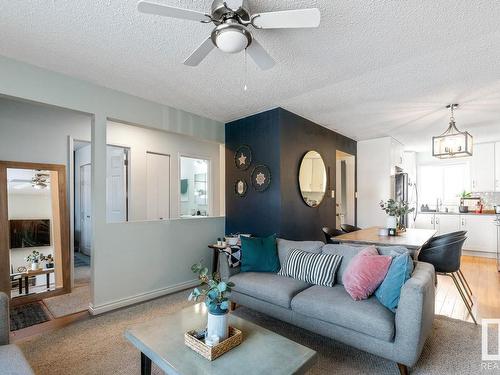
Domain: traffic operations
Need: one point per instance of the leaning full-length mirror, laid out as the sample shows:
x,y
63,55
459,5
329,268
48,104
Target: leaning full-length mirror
x,y
34,228
312,178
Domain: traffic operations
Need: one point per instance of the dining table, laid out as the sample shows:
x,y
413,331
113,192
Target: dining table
x,y
412,238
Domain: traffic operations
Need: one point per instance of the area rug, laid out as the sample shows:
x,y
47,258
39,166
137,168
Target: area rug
x,y
66,304
97,345
27,315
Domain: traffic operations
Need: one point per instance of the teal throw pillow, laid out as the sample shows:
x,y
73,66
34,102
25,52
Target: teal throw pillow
x,y
259,254
389,291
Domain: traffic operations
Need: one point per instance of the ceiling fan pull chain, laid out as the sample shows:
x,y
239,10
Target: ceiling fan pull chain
x,y
246,72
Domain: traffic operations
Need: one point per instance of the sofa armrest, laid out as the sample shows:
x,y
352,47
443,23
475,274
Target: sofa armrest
x,y
4,319
415,313
224,270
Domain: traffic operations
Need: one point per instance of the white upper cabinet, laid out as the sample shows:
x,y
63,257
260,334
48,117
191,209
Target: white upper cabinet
x,y
397,150
483,167
497,166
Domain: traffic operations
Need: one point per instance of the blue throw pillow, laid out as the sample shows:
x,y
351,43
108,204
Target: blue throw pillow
x,y
259,254
389,291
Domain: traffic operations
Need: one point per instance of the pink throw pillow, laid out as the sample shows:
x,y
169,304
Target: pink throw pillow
x,y
365,273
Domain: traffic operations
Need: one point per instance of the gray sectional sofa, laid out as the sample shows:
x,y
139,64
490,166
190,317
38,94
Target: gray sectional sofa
x,y
331,312
12,361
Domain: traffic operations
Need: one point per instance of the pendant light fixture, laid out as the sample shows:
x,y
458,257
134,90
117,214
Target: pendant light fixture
x,y
452,143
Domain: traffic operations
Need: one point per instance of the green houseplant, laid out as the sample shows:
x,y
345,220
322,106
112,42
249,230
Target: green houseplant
x,y
48,259
396,210
215,292
34,257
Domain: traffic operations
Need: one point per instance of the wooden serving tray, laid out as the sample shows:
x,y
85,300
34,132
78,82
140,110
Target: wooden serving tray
x,y
213,352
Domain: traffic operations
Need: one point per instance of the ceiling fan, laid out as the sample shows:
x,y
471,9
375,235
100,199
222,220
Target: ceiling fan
x,y
232,19
40,180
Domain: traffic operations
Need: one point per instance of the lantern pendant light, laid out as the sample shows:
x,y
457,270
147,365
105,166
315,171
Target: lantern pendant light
x,y
452,143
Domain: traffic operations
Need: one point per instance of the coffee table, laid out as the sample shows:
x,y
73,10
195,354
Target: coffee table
x,y
161,341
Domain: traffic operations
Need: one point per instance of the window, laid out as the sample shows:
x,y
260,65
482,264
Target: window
x,y
443,182
194,187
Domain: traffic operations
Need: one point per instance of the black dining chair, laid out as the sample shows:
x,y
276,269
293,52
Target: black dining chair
x,y
446,261
331,232
444,239
347,228
435,239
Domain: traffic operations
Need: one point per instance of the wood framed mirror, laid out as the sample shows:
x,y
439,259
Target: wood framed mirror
x,y
34,231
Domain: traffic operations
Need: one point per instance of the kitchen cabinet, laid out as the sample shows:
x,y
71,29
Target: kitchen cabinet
x,y
483,167
397,157
497,166
481,232
446,223
424,221
481,229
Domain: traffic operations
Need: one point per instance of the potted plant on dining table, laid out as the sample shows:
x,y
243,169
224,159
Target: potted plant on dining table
x,y
395,211
216,292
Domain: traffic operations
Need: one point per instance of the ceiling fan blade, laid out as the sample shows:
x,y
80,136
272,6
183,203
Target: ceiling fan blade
x,y
200,53
260,56
168,11
234,4
287,19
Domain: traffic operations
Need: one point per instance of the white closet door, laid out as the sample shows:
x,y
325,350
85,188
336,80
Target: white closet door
x,y
116,185
158,186
85,209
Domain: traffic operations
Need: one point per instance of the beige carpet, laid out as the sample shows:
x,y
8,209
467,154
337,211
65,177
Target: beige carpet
x,y
97,346
76,301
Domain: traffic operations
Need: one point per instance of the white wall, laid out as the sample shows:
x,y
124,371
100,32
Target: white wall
x,y
29,206
374,181
132,261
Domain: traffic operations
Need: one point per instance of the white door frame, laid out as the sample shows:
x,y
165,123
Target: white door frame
x,y
169,179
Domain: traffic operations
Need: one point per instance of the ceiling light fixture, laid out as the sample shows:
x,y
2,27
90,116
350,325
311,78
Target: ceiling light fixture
x,y
452,143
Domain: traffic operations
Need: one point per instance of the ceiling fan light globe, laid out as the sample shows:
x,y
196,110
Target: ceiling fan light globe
x,y
231,41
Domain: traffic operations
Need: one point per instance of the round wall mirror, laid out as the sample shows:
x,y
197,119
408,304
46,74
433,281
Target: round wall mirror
x,y
312,178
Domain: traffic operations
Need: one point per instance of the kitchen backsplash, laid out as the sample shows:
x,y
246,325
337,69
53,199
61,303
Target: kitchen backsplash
x,y
489,199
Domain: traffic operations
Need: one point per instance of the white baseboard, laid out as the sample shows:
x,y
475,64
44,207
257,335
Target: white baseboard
x,y
99,309
482,254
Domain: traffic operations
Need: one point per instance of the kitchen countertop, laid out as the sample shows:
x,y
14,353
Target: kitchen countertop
x,y
454,213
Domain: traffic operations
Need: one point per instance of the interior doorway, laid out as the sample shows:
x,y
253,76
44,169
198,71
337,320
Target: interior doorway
x,y
345,196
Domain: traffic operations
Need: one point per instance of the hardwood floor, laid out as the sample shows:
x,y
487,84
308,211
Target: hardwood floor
x,y
484,280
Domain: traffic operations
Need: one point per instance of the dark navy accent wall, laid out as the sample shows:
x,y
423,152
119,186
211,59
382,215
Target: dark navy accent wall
x,y
256,213
299,135
280,139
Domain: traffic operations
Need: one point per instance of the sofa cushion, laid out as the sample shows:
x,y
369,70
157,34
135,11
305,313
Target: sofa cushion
x,y
334,305
12,361
269,287
388,293
312,268
285,246
365,273
259,254
350,251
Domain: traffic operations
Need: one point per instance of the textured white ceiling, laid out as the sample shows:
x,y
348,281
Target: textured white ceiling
x,y
373,68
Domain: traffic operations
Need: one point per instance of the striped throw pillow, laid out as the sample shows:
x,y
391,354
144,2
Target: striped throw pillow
x,y
314,268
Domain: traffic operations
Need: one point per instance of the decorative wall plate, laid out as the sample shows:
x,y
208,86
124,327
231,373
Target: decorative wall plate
x,y
243,157
261,178
240,188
